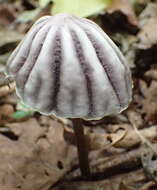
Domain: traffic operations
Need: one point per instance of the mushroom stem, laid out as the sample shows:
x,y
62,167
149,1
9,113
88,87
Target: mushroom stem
x,y
82,147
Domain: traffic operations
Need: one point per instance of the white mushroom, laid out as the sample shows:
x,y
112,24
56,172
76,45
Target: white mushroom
x,y
67,66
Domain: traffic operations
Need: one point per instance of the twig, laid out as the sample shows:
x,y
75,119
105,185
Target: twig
x,y
143,139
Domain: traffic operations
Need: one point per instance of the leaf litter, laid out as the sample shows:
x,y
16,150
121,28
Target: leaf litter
x,y
39,152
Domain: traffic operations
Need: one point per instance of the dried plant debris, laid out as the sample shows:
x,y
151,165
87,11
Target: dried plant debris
x,y
120,17
147,40
39,153
8,14
152,73
37,148
149,162
6,112
7,89
114,183
150,103
9,40
125,137
148,24
147,35
144,59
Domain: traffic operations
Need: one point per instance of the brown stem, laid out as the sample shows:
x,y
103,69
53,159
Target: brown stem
x,y
82,147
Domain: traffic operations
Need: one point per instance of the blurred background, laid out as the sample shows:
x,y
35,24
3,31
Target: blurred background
x,y
39,152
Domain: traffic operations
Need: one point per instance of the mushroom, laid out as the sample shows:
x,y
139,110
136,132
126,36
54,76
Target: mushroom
x,y
67,66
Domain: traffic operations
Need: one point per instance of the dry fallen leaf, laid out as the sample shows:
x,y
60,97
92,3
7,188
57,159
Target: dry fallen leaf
x,y
8,14
5,90
37,159
9,40
120,16
126,8
135,117
150,103
6,112
152,73
149,12
37,154
147,35
149,163
124,186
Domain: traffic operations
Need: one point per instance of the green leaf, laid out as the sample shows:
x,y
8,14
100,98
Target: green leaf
x,y
82,8
21,114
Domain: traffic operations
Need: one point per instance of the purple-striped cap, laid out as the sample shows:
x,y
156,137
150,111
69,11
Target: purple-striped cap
x,y
67,66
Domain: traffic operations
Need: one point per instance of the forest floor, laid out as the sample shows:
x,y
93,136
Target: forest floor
x,y
39,153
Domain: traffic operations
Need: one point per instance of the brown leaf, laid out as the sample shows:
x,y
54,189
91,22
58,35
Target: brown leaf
x,y
124,186
6,112
149,163
150,103
37,159
120,16
149,186
124,137
147,35
8,14
148,21
125,7
152,73
5,90
9,40
135,117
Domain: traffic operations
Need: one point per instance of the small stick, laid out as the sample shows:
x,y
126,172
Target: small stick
x,y
82,147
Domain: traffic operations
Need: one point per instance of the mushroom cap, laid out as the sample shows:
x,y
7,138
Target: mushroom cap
x,y
67,66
